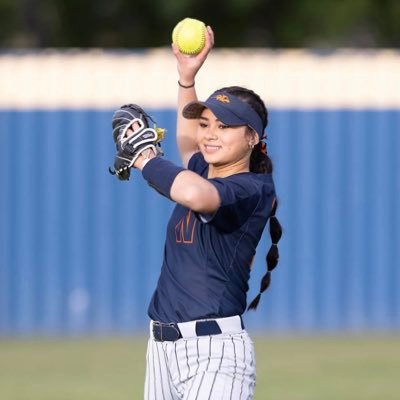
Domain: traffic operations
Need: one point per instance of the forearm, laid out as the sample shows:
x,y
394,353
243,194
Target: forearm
x,y
180,185
186,128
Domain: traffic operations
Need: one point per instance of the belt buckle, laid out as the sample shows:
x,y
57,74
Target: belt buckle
x,y
157,324
162,326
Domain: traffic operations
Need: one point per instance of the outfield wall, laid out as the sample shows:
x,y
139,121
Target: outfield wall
x,y
80,251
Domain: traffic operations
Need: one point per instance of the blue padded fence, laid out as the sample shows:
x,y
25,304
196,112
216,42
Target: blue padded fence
x,y
80,252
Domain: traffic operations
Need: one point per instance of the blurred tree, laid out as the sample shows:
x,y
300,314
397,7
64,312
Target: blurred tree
x,y
238,23
385,17
8,12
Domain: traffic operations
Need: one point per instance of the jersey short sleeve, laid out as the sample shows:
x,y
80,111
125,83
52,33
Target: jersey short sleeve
x,y
240,195
239,199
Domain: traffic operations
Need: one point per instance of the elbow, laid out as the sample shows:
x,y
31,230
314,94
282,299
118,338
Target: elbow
x,y
192,198
200,199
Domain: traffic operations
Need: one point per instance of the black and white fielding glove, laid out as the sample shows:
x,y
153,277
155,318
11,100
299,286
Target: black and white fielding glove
x,y
133,136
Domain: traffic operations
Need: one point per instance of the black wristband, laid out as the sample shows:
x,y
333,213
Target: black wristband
x,y
160,174
186,87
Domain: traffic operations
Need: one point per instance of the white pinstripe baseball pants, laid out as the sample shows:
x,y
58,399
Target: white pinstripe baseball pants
x,y
200,368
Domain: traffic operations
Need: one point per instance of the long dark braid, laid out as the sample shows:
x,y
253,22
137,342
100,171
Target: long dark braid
x,y
260,162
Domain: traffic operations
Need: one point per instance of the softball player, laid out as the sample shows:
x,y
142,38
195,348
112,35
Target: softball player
x,y
224,194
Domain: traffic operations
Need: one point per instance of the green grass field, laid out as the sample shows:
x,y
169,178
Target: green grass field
x,y
312,368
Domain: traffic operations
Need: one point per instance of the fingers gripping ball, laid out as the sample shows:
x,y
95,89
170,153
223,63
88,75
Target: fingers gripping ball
x,y
133,136
190,36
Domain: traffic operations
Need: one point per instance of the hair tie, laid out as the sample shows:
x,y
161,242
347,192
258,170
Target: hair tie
x,y
263,147
186,86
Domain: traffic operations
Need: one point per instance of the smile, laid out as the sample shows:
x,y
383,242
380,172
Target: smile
x,y
211,149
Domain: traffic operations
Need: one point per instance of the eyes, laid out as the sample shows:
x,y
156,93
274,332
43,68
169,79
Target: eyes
x,y
220,125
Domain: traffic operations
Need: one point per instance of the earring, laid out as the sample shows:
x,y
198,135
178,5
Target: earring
x,y
251,145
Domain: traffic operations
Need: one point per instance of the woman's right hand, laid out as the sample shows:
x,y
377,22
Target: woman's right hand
x,y
188,66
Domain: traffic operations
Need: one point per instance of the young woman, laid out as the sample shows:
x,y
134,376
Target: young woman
x,y
224,194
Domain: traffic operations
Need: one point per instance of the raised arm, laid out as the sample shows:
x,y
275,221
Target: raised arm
x,y
188,66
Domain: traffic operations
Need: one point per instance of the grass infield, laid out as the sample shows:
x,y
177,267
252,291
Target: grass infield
x,y
311,368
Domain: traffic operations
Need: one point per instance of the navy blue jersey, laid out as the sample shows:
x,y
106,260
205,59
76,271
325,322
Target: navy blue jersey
x,y
207,258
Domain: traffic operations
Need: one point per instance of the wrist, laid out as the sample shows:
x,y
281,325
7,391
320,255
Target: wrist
x,y
144,162
186,84
143,159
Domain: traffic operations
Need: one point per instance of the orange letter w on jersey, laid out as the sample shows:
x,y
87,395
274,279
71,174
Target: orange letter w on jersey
x,y
184,230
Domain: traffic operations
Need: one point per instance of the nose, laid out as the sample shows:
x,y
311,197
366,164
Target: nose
x,y
210,134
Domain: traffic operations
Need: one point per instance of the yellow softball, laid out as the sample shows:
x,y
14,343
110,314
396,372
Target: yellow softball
x,y
190,36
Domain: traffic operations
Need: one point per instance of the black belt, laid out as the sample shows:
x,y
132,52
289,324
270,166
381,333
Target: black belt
x,y
170,332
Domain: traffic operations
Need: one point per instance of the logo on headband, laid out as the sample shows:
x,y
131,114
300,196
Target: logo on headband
x,y
223,98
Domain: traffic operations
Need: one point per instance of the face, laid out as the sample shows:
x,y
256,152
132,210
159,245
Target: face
x,y
221,144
